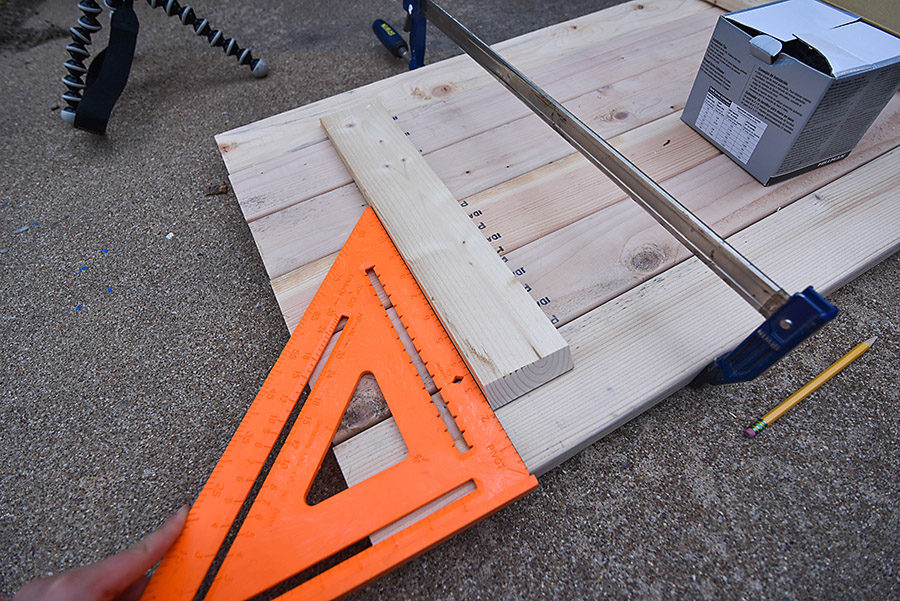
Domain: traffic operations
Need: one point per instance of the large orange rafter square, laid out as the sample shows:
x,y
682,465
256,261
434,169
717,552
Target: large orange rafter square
x,y
282,535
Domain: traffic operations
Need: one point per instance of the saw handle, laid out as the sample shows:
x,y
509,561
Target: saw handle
x,y
790,325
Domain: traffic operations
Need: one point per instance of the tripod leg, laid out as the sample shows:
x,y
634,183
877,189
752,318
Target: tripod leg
x,y
81,38
88,25
258,66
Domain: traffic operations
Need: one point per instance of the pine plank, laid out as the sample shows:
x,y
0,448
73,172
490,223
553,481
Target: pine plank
x,y
311,170
638,348
288,237
269,138
295,289
305,232
508,344
616,244
568,202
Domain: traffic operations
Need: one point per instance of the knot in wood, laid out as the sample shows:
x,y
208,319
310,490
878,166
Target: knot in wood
x,y
647,258
442,90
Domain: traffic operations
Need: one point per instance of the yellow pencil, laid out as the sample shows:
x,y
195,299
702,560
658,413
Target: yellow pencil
x,y
807,390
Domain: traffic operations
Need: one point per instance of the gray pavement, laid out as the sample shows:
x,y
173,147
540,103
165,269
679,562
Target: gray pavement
x,y
137,324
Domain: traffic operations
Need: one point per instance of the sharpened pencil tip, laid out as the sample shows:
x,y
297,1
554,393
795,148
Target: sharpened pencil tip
x,y
871,340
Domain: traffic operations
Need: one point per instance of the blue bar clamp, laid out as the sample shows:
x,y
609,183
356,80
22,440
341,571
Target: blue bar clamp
x,y
792,323
799,317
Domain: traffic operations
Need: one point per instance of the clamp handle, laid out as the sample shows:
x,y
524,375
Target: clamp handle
x,y
792,323
391,40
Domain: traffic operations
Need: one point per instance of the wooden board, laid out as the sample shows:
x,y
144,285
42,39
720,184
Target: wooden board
x,y
542,215
638,348
506,341
576,241
290,132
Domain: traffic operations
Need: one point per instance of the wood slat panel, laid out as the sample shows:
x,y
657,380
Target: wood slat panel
x,y
638,348
553,213
270,138
314,169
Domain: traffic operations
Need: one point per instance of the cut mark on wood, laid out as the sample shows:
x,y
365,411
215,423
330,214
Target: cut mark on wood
x,y
505,339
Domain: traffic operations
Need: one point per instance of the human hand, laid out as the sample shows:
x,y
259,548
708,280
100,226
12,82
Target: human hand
x,y
121,577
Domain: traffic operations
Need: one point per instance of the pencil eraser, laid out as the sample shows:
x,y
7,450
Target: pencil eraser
x,y
750,432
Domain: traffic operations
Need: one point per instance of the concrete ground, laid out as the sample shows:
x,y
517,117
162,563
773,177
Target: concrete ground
x,y
137,324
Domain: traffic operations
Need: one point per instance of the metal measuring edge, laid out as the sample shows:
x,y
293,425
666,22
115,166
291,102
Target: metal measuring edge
x,y
723,259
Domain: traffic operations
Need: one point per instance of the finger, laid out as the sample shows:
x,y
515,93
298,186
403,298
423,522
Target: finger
x,y
110,577
105,580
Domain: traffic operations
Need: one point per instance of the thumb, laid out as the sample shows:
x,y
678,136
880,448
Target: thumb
x,y
114,574
105,580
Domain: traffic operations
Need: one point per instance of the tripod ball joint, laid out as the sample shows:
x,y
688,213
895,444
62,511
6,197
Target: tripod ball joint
x,y
260,69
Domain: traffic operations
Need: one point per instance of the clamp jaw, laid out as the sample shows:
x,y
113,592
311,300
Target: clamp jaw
x,y
415,25
792,323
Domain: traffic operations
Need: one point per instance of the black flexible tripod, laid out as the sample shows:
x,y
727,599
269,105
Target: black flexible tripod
x,y
100,87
